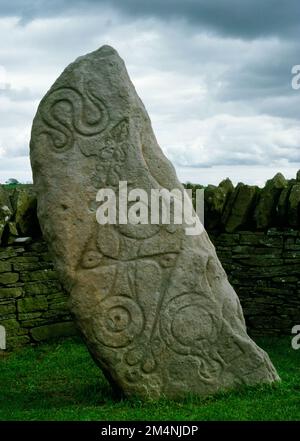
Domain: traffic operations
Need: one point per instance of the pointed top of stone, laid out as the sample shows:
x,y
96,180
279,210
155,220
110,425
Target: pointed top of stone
x,y
278,181
106,50
102,52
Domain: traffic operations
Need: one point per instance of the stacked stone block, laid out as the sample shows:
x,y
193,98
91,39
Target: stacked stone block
x,y
33,305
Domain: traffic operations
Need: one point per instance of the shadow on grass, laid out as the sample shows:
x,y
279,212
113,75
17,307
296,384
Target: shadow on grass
x,y
93,395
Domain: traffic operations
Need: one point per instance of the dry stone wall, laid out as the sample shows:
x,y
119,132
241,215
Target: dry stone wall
x,y
255,232
264,267
32,303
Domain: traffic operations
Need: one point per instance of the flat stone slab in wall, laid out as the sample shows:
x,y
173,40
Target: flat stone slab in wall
x,y
153,304
32,303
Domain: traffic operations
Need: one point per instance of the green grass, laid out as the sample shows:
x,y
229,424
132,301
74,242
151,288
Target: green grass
x,y
59,381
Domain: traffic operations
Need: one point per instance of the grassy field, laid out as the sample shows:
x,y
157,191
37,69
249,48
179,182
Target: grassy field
x,y
59,381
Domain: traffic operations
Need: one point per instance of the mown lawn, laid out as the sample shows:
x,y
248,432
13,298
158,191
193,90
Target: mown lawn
x,y
59,381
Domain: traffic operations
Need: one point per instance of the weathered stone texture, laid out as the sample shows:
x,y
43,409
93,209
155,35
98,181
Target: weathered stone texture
x,y
154,305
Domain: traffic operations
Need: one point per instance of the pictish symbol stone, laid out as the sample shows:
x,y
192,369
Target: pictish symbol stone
x,y
153,304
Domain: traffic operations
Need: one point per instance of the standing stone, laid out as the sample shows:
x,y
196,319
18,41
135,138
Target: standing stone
x,y
215,200
239,207
153,304
294,206
265,211
24,207
5,213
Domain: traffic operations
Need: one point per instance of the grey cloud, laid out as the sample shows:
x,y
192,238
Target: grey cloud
x,y
281,106
262,80
248,18
245,19
244,75
13,94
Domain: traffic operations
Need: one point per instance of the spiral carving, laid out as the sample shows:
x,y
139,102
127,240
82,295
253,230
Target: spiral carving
x,y
66,111
186,325
118,321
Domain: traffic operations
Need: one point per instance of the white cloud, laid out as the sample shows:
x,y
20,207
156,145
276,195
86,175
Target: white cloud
x,y
205,109
257,175
227,139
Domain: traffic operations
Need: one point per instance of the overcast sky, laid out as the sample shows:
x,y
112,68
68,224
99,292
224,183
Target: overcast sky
x,y
215,77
